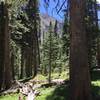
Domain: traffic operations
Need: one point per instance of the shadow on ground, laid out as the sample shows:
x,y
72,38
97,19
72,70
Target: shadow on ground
x,y
60,93
96,92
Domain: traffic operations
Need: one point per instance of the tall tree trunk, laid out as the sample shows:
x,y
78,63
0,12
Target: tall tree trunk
x,y
49,78
28,67
6,68
98,53
22,62
38,54
1,43
34,31
50,37
35,54
79,69
12,65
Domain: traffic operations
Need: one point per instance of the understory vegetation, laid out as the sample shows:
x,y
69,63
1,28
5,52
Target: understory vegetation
x,y
58,92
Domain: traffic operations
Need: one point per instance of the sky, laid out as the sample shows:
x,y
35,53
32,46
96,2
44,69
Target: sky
x,y
98,1
50,10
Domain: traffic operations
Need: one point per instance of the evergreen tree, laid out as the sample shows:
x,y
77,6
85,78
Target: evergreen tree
x,y
50,52
92,31
56,28
17,29
66,36
33,15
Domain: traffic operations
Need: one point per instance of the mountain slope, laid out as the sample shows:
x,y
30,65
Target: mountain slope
x,y
45,21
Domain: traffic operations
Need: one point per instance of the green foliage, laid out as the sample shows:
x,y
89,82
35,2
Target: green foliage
x,y
16,52
95,83
91,24
60,92
17,28
53,50
9,97
66,37
23,20
56,45
44,93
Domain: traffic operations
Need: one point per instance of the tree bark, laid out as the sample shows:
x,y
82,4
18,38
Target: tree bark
x,y
79,69
6,73
1,43
22,62
98,53
35,53
34,31
12,65
50,37
28,67
50,61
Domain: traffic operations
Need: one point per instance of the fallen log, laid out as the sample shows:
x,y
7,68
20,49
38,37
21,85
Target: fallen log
x,y
13,89
24,88
26,79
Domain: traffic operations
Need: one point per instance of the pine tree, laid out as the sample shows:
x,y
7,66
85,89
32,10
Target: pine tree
x,y
50,52
33,15
92,31
56,28
66,36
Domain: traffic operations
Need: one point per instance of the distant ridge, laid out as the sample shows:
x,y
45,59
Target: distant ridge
x,y
45,22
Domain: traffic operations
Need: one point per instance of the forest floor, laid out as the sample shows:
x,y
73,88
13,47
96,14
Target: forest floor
x,y
59,92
